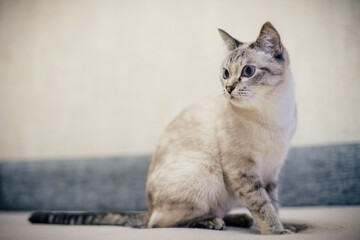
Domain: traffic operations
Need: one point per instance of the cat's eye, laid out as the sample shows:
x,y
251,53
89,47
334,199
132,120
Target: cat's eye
x,y
226,74
248,71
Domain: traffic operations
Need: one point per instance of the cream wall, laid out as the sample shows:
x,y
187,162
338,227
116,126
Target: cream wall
x,y
103,78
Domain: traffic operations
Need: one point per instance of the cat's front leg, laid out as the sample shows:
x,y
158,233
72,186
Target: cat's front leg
x,y
247,186
271,189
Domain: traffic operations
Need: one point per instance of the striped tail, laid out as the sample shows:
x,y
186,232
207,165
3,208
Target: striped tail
x,y
128,219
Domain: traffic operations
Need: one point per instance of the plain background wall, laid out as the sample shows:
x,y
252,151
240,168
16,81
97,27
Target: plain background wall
x,y
103,78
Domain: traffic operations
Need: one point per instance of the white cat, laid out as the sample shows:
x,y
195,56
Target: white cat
x,y
231,147
226,149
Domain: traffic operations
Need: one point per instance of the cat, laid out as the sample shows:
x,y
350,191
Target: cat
x,y
220,151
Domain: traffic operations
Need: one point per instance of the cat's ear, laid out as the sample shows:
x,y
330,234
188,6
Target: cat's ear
x,y
230,42
269,41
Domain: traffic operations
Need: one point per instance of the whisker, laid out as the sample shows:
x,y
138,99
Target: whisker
x,y
258,108
262,99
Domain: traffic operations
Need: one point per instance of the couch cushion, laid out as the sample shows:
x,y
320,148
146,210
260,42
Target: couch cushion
x,y
322,175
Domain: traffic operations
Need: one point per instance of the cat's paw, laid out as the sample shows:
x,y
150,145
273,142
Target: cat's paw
x,y
218,224
291,228
214,223
277,231
285,231
295,227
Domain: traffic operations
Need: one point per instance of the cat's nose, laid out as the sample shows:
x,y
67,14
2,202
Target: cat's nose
x,y
229,89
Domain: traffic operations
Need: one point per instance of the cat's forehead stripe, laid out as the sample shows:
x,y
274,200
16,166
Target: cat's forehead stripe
x,y
239,54
235,56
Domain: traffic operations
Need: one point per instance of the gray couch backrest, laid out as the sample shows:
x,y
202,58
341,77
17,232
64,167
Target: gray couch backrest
x,y
327,175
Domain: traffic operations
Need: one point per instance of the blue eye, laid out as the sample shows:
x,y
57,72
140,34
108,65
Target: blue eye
x,y
226,74
248,71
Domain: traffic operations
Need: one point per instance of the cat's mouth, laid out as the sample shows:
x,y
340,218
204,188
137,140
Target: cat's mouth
x,y
238,98
241,95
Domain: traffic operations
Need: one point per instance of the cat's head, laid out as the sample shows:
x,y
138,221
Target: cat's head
x,y
251,71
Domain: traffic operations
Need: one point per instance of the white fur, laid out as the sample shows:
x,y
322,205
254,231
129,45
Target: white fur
x,y
183,175
203,150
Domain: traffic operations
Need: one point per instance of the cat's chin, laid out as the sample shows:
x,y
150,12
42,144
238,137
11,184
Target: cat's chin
x,y
243,102
240,102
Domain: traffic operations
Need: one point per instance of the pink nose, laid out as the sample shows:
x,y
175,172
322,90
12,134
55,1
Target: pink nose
x,y
229,89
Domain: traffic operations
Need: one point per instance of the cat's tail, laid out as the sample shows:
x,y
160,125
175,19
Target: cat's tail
x,y
129,219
